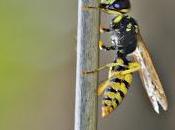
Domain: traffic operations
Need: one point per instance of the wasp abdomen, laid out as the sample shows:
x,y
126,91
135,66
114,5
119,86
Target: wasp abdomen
x,y
115,92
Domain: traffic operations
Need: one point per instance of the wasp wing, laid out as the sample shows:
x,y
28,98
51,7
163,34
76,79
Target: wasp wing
x,y
149,76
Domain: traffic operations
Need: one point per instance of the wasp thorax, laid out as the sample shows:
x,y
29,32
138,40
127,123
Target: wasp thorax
x,y
124,33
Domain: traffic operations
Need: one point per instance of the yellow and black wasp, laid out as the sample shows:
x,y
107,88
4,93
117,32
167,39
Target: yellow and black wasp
x,y
126,41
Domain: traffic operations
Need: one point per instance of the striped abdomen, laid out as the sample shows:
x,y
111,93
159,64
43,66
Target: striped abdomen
x,y
115,92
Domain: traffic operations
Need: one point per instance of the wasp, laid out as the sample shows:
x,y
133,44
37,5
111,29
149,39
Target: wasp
x,y
127,42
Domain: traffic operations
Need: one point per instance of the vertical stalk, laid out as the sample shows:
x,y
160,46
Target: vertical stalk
x,y
87,59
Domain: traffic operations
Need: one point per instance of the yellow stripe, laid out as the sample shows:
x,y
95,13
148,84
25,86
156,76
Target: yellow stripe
x,y
115,85
119,86
118,97
128,78
123,88
110,95
114,104
107,102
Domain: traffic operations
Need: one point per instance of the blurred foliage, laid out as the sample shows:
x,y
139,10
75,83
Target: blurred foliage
x,y
31,59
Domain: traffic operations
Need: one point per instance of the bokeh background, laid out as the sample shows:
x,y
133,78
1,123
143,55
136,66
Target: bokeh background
x,y
38,60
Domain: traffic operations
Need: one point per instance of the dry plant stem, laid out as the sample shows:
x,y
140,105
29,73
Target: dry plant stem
x,y
87,59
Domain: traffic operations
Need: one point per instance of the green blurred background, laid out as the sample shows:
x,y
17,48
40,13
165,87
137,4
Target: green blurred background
x,y
37,66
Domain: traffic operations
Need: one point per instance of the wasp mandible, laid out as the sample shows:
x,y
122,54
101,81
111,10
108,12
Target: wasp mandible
x,y
126,41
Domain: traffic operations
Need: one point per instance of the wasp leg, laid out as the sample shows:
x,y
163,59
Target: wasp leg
x,y
86,8
102,46
103,30
104,67
133,67
110,72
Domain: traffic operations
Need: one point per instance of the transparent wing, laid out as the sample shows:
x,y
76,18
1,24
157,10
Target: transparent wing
x,y
150,77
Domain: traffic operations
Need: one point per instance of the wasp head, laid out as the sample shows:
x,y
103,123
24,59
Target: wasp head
x,y
121,6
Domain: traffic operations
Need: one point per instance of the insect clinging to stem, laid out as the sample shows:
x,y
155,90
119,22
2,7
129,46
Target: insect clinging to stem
x,y
126,41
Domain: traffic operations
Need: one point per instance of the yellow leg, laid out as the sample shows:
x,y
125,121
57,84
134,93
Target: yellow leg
x,y
133,67
86,8
102,46
109,72
104,67
104,29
